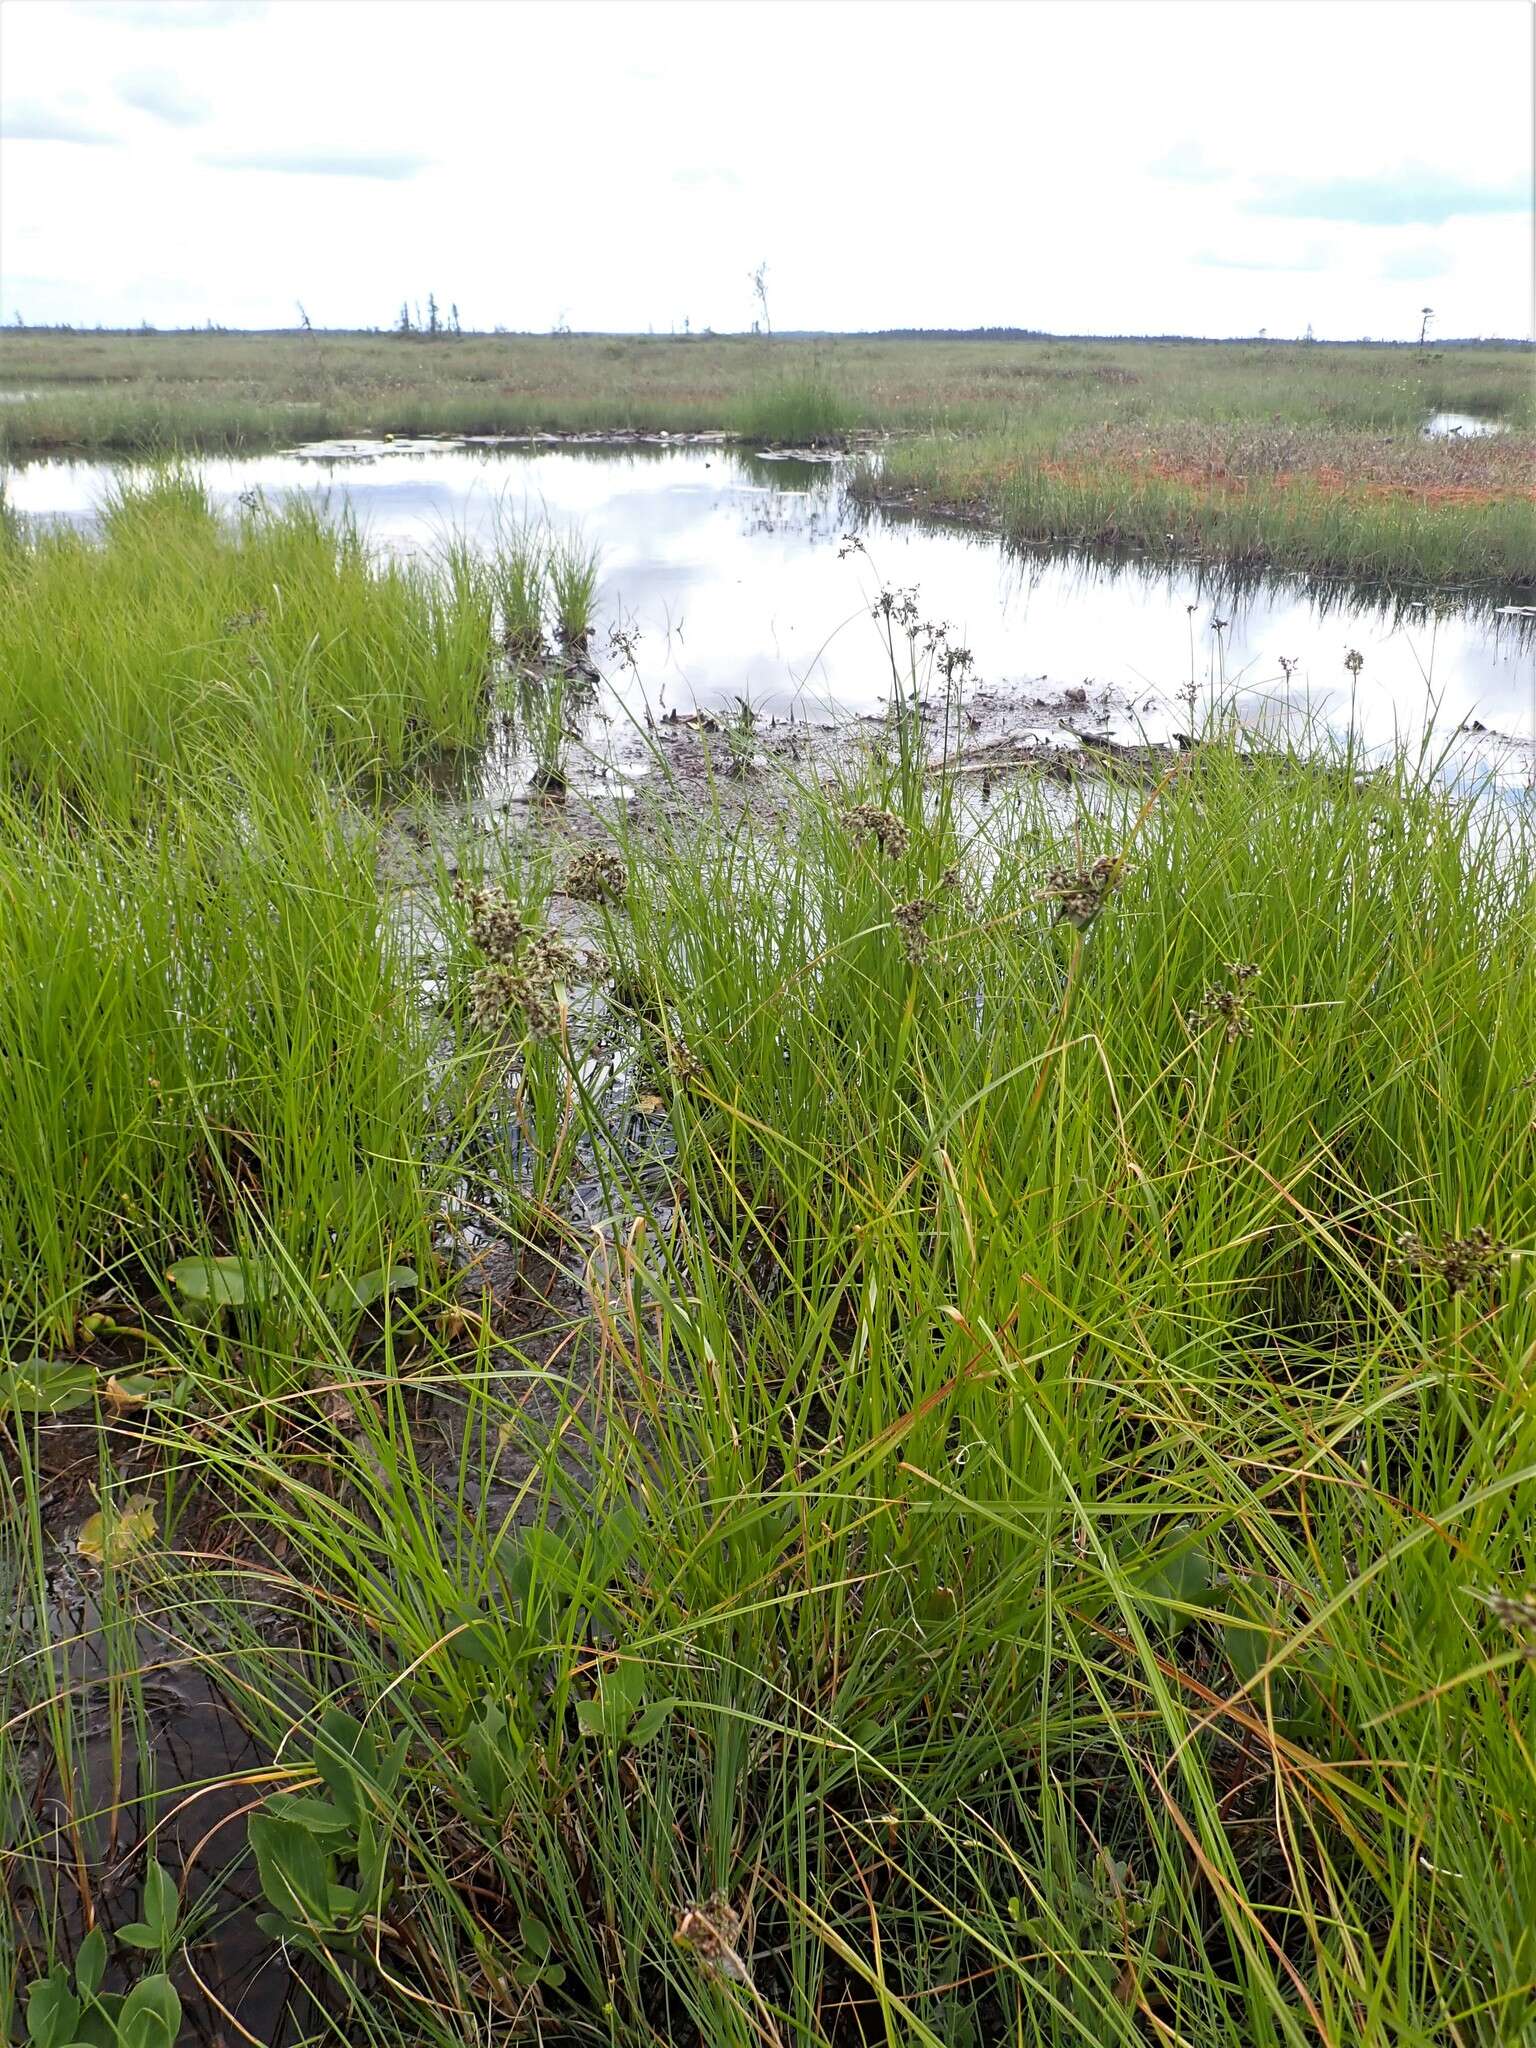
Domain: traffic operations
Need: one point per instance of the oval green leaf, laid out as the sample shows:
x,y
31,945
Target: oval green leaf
x,y
46,1386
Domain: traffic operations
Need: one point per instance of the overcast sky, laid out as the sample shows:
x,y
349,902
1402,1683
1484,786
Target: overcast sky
x,y
1098,167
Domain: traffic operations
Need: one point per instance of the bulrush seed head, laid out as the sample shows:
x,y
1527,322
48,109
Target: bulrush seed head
x,y
1079,894
1227,1005
883,826
499,993
528,970
1461,1262
712,1931
596,877
1518,1616
909,920
496,926
493,992
241,622
686,1068
547,957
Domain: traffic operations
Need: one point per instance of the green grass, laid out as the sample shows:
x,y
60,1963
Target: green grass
x,y
523,553
217,1048
172,637
993,1537
804,410
132,392
574,569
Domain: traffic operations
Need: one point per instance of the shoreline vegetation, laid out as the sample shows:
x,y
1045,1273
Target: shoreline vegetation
x,y
880,1417
1307,458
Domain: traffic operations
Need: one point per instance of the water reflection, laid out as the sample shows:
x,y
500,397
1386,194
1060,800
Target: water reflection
x,y
1459,426
728,566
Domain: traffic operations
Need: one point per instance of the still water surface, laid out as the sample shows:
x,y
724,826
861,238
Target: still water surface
x,y
728,565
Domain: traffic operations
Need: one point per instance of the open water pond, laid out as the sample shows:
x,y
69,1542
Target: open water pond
x,y
1459,426
729,566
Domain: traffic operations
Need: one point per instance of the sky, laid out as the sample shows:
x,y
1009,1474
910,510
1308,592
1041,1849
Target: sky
x,y
1093,167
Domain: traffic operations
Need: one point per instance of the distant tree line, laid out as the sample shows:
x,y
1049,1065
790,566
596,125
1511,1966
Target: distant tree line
x,y
434,326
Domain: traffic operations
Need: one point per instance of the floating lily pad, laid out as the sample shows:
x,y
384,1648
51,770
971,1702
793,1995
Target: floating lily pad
x,y
369,1287
222,1282
120,1531
46,1386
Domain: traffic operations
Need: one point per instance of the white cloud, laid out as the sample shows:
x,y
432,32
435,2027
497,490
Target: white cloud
x,y
173,14
34,121
1187,162
1404,265
938,162
162,94
323,163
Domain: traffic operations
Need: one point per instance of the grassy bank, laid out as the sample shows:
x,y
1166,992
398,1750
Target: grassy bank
x,y
129,392
1361,505
1001,1513
1304,457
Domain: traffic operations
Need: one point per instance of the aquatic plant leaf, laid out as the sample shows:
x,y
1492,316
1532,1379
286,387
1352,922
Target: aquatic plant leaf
x,y
221,1282
535,1564
161,1901
99,2025
1249,1647
612,1713
318,1815
337,1774
370,1287
138,1934
590,1718
118,1532
478,1643
91,1962
492,1751
296,1873
1181,1574
46,1386
650,1724
151,2015
52,2010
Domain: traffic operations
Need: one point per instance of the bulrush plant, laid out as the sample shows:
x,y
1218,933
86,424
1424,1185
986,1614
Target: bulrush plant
x,y
1006,1520
989,1562
805,410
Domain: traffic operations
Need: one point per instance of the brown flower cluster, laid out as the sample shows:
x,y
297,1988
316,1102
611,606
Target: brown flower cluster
x,y
527,971
1226,1006
1518,1616
1080,893
496,926
883,826
1460,1262
910,920
596,877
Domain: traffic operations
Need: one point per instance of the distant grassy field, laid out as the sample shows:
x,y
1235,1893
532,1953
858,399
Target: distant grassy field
x,y
1304,457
